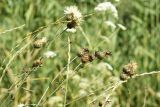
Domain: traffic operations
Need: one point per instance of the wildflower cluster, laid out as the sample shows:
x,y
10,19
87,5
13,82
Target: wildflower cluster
x,y
73,18
107,6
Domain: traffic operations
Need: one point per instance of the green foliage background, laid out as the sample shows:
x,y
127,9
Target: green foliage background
x,y
140,43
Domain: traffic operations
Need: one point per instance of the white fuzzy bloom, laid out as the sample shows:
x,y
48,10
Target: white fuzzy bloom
x,y
110,24
49,54
21,105
107,6
122,27
72,30
73,12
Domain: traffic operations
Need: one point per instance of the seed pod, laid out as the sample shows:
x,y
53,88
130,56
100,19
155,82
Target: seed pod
x,y
85,58
108,53
102,55
123,77
99,55
37,63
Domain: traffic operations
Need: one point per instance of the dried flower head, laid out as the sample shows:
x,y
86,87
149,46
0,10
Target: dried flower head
x,y
49,54
130,68
73,16
40,42
102,55
86,56
107,6
37,63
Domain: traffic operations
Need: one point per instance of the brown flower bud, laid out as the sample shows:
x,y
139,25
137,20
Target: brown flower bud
x,y
37,63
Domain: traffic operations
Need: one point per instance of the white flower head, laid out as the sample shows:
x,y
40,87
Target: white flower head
x,y
73,11
122,27
72,30
110,24
107,6
21,105
49,54
73,15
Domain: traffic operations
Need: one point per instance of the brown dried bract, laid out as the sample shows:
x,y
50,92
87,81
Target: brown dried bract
x,y
85,56
37,63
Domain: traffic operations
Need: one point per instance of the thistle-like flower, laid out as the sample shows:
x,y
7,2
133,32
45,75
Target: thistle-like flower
x,y
73,16
107,6
49,54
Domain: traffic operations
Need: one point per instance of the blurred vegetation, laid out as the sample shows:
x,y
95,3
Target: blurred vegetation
x,y
140,43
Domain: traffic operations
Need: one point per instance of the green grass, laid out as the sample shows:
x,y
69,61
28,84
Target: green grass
x,y
139,43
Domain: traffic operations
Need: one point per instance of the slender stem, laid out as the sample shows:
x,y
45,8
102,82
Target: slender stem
x,y
9,30
68,68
